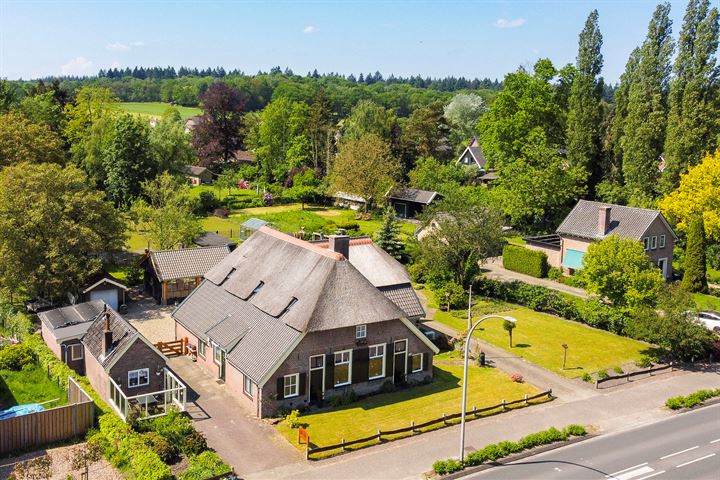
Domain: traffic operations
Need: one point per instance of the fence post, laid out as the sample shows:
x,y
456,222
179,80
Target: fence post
x,y
342,444
627,376
503,405
474,410
412,426
549,392
444,420
526,400
596,383
307,453
379,435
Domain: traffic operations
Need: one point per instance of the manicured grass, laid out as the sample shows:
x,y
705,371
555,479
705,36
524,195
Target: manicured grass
x,y
387,411
29,386
156,109
517,240
538,337
706,302
221,193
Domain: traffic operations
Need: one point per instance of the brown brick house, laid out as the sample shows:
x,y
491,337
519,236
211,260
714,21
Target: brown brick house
x,y
285,323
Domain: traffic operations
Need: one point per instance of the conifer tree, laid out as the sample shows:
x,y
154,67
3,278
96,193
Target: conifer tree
x,y
695,276
585,115
644,129
387,237
694,119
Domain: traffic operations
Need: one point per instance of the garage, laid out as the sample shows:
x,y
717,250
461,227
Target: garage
x,y
109,296
105,287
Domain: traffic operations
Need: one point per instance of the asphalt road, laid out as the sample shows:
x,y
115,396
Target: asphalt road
x,y
686,446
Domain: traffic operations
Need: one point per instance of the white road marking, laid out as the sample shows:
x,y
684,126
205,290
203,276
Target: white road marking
x,y
626,469
678,453
696,460
635,473
652,475
716,440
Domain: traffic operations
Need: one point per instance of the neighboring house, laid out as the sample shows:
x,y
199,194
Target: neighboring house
x,y
212,239
590,222
488,179
473,155
63,328
243,156
285,323
126,370
105,287
191,123
171,275
347,200
198,175
409,202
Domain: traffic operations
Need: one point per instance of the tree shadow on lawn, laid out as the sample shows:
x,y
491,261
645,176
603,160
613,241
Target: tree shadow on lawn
x,y
7,399
522,345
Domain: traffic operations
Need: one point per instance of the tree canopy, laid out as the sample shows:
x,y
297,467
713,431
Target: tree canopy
x,y
21,140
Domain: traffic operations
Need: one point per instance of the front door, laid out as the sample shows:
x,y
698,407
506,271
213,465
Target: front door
x,y
662,263
219,355
400,362
317,378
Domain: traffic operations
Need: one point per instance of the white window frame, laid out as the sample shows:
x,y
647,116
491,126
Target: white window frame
x,y
664,267
78,346
646,243
137,373
661,243
422,362
247,385
295,386
202,346
382,356
216,349
360,332
653,243
349,364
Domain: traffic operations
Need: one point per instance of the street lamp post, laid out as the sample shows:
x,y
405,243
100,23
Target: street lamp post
x,y
465,378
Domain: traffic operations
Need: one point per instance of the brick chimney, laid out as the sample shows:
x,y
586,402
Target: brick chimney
x,y
340,243
603,220
107,333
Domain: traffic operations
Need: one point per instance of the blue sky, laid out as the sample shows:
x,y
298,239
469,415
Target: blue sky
x,y
433,38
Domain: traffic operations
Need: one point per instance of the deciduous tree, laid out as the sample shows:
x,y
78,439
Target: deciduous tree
x,y
24,141
170,144
463,113
218,133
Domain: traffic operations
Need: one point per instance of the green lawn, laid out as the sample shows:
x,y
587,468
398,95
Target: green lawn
x,y
156,109
706,302
387,411
221,193
517,240
538,337
29,386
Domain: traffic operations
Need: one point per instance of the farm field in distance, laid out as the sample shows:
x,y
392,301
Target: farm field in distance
x,y
156,109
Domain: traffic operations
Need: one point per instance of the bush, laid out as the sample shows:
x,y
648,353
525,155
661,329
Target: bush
x,y
207,202
691,400
618,370
146,465
586,377
160,446
340,400
555,273
644,362
293,419
134,275
574,430
450,295
16,357
13,323
443,467
205,465
194,443
516,377
602,375
523,260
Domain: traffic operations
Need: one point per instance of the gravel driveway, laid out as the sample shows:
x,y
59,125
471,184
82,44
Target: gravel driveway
x,y
153,321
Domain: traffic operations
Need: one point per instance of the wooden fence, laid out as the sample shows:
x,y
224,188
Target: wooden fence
x,y
415,428
47,426
175,348
629,375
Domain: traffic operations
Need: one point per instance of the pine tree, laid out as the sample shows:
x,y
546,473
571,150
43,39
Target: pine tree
x,y
694,119
585,115
644,129
387,237
694,278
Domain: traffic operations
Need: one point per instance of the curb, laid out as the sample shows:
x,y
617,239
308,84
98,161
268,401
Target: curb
x,y
511,458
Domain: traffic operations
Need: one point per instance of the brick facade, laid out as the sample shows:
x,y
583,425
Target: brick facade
x,y
139,356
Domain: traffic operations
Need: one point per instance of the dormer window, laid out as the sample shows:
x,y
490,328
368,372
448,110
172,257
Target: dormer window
x,y
256,289
289,306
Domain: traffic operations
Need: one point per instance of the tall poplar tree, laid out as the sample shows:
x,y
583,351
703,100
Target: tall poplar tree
x,y
694,119
644,129
585,115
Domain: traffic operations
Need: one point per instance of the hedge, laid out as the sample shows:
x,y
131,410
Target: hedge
x,y
523,260
691,400
499,450
206,465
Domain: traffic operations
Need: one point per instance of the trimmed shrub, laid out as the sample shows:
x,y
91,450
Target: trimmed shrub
x,y
146,465
602,375
160,446
293,419
691,400
574,430
194,443
554,274
443,467
16,357
586,377
523,260
205,465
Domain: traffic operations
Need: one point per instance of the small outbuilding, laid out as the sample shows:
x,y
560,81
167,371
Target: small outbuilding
x,y
102,286
409,202
473,156
212,239
198,175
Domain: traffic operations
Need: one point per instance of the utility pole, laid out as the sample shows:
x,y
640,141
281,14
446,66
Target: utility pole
x,y
565,347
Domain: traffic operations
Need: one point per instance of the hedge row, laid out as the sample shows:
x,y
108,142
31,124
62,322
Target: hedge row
x,y
523,260
691,400
497,451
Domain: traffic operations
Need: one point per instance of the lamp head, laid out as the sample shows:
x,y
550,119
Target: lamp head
x,y
508,318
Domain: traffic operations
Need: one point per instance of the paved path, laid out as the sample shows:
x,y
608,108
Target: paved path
x,y
493,269
243,441
684,446
614,410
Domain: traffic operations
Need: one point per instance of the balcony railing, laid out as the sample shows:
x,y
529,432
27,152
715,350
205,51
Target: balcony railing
x,y
150,405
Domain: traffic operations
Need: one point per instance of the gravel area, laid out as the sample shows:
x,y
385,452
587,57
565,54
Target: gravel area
x,y
153,321
102,470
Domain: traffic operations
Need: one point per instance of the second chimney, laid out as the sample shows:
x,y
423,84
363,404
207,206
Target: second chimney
x,y
340,243
107,335
603,220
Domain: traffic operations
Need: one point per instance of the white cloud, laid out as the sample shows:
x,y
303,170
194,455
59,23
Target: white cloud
x,y
310,29
123,47
78,66
509,23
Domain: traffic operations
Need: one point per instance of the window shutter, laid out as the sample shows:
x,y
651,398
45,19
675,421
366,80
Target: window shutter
x,y
329,371
360,365
427,361
408,363
389,352
280,388
302,380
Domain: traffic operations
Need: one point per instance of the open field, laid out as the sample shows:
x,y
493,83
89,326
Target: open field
x,y
538,337
386,411
29,386
156,109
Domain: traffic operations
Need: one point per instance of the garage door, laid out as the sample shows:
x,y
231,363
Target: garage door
x,y
108,296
